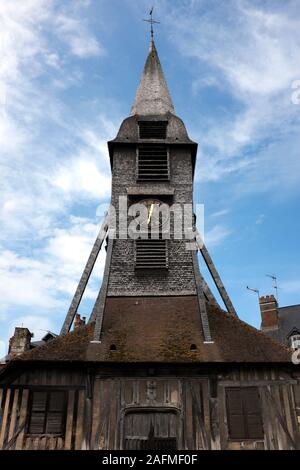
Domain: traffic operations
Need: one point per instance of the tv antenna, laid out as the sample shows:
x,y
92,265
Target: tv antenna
x,y
256,291
274,284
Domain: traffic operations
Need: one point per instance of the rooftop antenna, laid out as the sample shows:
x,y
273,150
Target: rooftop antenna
x,y
152,21
274,285
256,291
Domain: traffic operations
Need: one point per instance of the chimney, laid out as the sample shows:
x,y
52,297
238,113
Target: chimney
x,y
19,342
269,313
78,321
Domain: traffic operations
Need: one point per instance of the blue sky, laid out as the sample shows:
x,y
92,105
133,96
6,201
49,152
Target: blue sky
x,y
68,75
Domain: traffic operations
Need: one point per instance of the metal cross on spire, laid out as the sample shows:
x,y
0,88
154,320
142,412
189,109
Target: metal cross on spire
x,y
152,21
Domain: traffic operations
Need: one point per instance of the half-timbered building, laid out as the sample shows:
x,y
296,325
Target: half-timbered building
x,y
159,365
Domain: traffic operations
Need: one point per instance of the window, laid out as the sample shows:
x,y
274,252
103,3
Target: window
x,y
295,341
152,163
244,413
47,412
153,129
151,254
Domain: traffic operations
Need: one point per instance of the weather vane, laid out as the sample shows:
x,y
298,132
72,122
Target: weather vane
x,y
152,21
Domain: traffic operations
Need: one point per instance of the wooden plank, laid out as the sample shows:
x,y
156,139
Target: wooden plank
x,y
215,275
69,423
5,418
22,419
255,383
201,300
95,411
223,418
13,415
80,420
85,277
98,309
1,414
287,409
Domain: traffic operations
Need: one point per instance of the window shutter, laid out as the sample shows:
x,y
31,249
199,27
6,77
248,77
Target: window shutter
x,y
236,425
151,254
47,412
244,413
251,403
153,129
153,163
56,413
38,412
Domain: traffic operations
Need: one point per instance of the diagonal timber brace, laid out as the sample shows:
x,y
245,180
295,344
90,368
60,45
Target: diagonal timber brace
x,y
98,309
85,277
214,274
201,299
207,292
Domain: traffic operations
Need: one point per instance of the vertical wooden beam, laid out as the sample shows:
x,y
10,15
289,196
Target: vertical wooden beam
x,y
84,278
13,415
5,418
215,275
22,420
80,420
69,423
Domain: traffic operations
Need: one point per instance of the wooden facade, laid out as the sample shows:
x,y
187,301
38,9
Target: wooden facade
x,y
186,411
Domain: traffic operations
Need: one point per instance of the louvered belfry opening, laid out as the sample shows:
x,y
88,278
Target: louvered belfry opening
x,y
152,163
151,254
153,129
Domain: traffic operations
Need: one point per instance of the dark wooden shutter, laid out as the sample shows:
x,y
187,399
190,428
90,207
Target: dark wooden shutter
x,y
37,413
252,407
244,413
153,163
47,412
235,419
153,129
55,414
151,254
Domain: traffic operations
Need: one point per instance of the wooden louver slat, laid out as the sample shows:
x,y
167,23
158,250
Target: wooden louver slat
x,y
151,254
153,129
153,163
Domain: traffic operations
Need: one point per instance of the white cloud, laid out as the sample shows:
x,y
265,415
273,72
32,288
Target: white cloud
x,y
76,35
37,325
260,219
3,349
83,176
251,52
216,235
220,213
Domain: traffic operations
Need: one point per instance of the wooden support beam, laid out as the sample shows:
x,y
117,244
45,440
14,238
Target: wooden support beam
x,y
215,275
201,299
85,278
207,291
98,309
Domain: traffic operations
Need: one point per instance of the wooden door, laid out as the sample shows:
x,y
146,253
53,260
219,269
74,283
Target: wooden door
x,y
150,430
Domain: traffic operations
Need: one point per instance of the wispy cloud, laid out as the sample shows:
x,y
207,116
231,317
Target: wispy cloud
x,y
216,235
252,50
52,161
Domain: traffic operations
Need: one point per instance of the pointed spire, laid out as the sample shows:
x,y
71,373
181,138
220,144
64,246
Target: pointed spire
x,y
152,96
